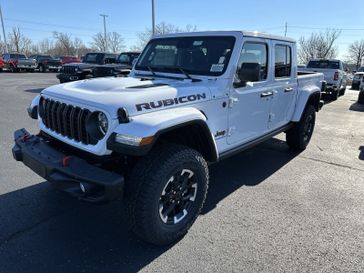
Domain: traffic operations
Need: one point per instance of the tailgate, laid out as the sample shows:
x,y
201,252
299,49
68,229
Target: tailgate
x,y
328,73
26,62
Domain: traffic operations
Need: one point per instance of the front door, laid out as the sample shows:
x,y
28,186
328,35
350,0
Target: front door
x,y
250,103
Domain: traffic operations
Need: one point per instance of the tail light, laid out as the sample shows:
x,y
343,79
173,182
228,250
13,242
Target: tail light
x,y
336,76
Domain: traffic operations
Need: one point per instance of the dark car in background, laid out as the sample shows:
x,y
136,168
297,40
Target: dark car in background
x,y
358,77
68,59
80,71
121,67
16,62
47,62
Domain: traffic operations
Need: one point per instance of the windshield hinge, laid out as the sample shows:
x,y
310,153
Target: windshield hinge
x,y
232,101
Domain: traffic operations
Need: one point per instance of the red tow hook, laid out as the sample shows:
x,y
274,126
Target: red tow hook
x,y
66,161
25,138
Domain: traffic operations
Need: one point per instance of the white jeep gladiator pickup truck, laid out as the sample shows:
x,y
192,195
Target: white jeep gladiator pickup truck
x,y
334,75
190,100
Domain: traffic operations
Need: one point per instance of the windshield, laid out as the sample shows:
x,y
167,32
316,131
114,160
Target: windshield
x,y
45,57
124,59
207,55
324,64
17,56
92,58
361,69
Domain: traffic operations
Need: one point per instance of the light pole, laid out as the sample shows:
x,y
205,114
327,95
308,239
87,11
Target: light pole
x,y
105,40
2,23
153,18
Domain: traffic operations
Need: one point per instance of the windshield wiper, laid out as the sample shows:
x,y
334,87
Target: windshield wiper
x,y
151,70
188,76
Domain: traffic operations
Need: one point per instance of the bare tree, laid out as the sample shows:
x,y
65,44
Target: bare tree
x,y
63,44
19,42
115,42
356,53
161,28
80,48
99,42
45,46
319,45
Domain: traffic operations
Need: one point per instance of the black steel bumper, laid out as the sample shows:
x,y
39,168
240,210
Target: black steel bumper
x,y
68,173
70,77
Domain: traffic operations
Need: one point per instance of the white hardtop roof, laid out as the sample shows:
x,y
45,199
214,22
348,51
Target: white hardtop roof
x,y
225,33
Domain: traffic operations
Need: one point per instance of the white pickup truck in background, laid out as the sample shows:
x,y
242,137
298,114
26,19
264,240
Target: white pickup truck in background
x,y
334,74
191,99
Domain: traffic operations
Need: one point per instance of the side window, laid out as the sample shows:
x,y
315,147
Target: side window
x,y
283,61
254,54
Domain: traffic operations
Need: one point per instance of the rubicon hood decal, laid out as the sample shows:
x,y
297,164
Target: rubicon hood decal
x,y
169,102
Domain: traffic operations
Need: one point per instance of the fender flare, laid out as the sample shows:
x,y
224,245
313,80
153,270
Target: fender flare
x,y
158,124
312,96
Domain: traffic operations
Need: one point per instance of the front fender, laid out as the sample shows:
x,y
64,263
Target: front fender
x,y
156,123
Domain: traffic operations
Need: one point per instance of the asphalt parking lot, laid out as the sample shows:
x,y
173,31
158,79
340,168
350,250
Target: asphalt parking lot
x,y
268,209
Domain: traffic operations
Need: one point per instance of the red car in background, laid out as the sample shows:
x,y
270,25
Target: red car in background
x,y
1,64
67,59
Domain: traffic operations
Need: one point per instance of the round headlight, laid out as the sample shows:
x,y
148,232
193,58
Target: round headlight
x,y
102,123
97,125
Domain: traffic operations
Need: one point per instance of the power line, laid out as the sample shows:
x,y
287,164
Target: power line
x,y
45,24
321,28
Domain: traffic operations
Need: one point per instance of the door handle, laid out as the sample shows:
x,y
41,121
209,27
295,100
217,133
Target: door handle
x,y
289,89
266,94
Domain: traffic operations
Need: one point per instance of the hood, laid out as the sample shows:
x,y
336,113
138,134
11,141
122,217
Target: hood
x,y
137,95
81,65
116,66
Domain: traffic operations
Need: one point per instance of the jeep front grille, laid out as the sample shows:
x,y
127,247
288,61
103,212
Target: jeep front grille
x,y
67,120
68,70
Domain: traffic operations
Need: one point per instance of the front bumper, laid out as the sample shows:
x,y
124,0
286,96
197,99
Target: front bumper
x,y
70,77
25,66
68,173
54,67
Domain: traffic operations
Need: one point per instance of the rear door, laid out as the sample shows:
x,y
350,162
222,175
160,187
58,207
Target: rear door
x,y
250,105
284,85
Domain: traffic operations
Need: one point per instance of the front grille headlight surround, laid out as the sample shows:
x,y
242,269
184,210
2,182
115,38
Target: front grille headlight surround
x,y
97,125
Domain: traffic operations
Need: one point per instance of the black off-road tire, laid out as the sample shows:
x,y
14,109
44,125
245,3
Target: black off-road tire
x,y
42,69
147,181
361,97
300,134
335,94
13,69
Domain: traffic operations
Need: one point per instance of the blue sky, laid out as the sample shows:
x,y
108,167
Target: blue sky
x,y
38,18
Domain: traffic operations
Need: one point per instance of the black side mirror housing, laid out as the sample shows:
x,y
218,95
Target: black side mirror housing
x,y
248,72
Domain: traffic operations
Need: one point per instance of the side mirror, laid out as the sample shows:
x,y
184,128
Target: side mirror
x,y
248,72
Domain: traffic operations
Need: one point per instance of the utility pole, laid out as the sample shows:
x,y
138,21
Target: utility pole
x,y
2,23
153,18
285,30
105,40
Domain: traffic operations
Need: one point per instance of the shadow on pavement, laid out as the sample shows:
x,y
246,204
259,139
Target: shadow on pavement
x,y
43,230
357,107
35,90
